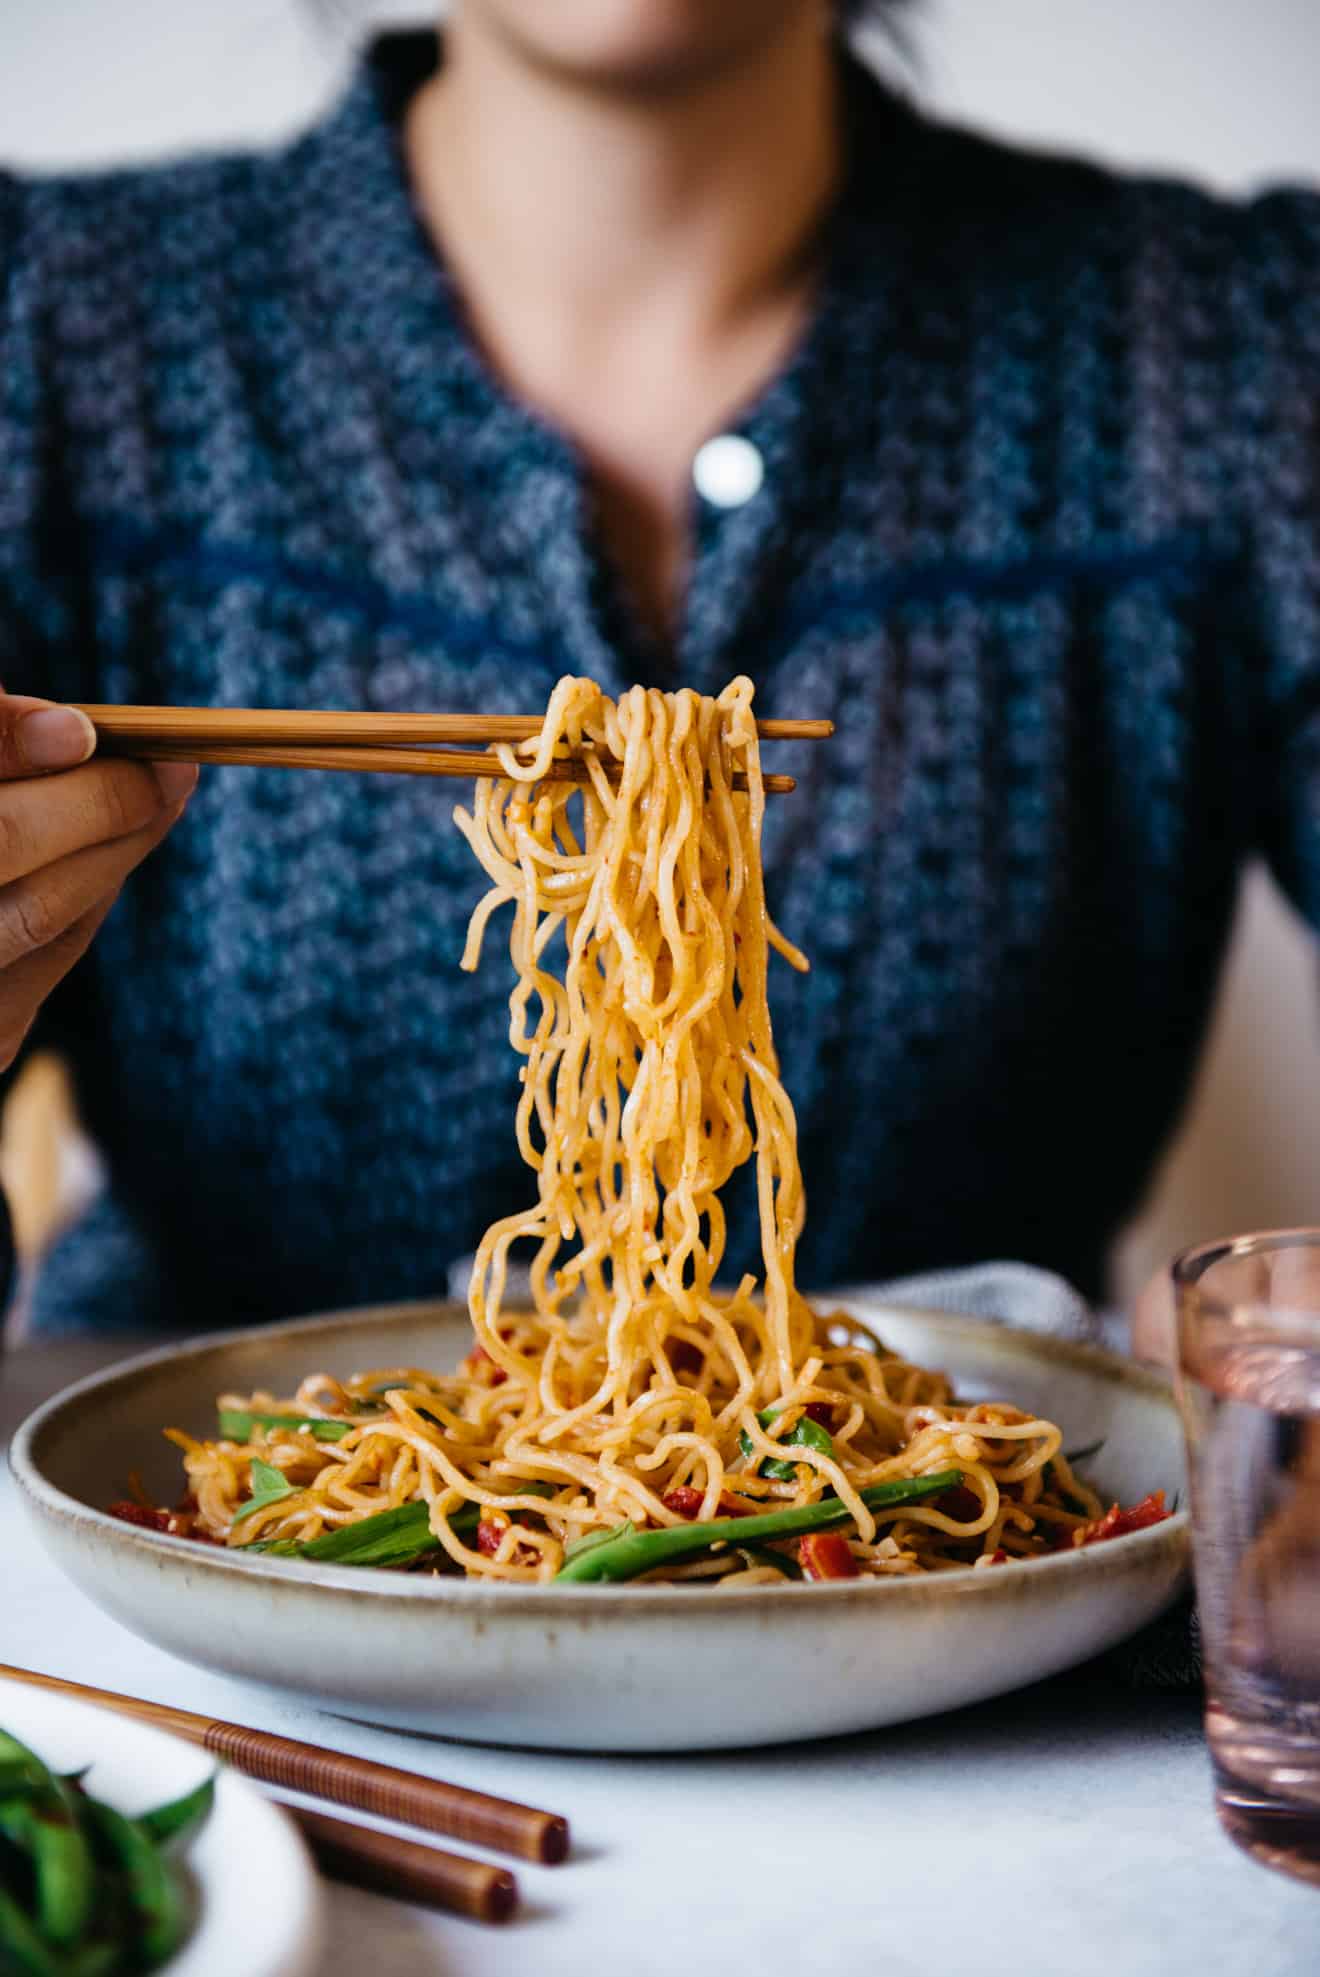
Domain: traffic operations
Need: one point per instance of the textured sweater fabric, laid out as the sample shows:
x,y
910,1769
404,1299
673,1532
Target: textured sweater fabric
x,y
1039,529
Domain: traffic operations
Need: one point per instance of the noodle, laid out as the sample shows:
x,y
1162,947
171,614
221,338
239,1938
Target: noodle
x,y
634,1391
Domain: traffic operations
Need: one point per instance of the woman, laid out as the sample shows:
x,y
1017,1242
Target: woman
x,y
645,339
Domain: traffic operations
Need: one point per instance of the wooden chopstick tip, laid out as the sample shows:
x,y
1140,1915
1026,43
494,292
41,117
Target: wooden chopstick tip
x,y
553,1841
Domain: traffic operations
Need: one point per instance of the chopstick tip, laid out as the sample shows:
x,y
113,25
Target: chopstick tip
x,y
554,1842
501,1900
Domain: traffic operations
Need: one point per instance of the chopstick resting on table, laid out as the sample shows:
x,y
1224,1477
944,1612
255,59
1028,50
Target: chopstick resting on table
x,y
383,744
387,1865
500,1824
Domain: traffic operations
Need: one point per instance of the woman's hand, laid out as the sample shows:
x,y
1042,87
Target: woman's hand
x,y
71,831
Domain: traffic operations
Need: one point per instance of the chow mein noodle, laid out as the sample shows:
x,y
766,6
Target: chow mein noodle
x,y
636,1418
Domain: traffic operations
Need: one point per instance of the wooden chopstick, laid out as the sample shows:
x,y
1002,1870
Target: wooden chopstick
x,y
387,1865
264,725
500,1824
386,761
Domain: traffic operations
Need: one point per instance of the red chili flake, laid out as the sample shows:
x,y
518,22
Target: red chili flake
x,y
490,1532
181,1523
683,1501
476,1364
1117,1523
825,1555
141,1513
819,1411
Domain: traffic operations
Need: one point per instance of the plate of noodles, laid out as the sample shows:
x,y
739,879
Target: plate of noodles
x,y
644,1507
591,1665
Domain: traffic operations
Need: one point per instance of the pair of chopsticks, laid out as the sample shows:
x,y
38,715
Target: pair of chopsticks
x,y
381,744
360,1854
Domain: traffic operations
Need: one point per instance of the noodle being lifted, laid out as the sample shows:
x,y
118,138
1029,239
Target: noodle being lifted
x,y
636,1420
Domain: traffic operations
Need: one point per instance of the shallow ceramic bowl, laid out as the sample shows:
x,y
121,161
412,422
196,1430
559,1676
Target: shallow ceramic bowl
x,y
595,1667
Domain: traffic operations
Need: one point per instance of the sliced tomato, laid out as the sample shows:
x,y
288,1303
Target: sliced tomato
x,y
825,1555
1116,1523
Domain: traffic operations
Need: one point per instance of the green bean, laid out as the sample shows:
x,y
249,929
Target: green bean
x,y
625,1553
387,1538
236,1424
180,1817
155,1895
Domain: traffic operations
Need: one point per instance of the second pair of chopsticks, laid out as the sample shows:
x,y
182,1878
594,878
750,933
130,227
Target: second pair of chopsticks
x,y
358,1853
388,744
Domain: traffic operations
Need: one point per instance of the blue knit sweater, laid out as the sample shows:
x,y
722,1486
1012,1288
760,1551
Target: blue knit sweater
x,y
1038,528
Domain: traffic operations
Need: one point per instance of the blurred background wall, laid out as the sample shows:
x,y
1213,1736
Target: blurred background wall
x,y
1221,90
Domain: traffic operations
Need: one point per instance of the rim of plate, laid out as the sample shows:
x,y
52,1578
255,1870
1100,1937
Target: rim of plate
x,y
1116,1556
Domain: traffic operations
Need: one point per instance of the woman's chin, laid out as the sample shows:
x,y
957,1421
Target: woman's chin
x,y
639,45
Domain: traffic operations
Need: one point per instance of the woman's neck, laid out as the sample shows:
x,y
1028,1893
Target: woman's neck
x,y
590,201
634,262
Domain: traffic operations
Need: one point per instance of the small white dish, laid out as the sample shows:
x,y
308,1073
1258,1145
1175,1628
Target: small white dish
x,y
598,1667
258,1902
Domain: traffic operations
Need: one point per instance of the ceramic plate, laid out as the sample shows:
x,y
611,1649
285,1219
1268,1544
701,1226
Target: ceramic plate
x,y
608,1668
257,1900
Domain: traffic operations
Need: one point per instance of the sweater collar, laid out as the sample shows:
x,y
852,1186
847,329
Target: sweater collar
x,y
384,295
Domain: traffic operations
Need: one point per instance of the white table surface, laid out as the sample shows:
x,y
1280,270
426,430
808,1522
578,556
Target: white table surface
x,y
1067,1828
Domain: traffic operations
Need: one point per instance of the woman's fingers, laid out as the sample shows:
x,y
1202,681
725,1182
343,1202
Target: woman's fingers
x,y
48,920
30,981
37,736
38,908
46,818
71,830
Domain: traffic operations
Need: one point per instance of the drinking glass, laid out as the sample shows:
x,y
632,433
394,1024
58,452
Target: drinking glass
x,y
1248,1313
